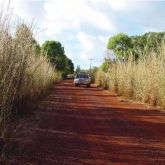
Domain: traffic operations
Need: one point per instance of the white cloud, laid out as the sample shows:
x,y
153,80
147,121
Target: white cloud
x,y
91,44
85,40
87,45
91,47
69,15
118,4
59,16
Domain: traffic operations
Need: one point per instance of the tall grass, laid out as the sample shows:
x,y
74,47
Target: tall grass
x,y
142,80
24,74
102,79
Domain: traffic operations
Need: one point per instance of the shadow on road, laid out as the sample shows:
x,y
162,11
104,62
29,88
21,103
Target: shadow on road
x,y
89,126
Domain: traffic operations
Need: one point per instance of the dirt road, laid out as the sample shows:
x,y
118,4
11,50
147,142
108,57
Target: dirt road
x,y
81,126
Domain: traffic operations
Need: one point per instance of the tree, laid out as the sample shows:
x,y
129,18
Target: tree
x,y
120,44
54,51
154,40
106,65
78,69
138,46
56,54
143,44
70,66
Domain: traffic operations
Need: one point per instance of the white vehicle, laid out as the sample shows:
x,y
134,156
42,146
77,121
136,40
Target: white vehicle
x,y
82,79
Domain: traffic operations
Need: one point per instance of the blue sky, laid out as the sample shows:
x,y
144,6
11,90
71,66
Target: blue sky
x,y
84,26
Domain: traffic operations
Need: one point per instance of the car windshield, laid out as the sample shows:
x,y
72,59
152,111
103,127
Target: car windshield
x,y
82,76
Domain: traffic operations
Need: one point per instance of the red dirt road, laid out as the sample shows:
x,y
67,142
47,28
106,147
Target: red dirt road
x,y
88,126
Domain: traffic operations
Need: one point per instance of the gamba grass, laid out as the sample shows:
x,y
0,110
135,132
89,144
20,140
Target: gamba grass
x,y
142,80
24,73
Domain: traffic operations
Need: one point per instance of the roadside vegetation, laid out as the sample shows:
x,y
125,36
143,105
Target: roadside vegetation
x,y
92,72
56,55
26,69
138,71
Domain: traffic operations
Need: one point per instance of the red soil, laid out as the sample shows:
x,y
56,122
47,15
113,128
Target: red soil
x,y
88,126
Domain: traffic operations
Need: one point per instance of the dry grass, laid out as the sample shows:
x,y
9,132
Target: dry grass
x,y
102,79
23,72
143,80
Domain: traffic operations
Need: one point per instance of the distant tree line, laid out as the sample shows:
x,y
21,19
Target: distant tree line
x,y
56,54
139,45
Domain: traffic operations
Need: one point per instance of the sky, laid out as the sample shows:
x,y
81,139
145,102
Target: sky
x,y
84,26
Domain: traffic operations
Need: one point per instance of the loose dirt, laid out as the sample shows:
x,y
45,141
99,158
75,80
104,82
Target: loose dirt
x,y
88,126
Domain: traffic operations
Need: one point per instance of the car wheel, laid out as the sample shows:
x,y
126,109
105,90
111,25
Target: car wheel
x,y
88,86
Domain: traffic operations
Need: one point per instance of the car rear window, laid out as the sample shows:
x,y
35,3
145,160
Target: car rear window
x,y
82,76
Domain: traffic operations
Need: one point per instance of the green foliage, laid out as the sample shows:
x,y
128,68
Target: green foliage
x,y
53,49
106,65
70,66
78,69
146,43
60,62
120,44
56,54
139,46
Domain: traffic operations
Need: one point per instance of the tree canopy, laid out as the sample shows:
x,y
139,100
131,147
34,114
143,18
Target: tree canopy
x,y
120,44
139,45
52,49
106,65
150,41
56,54
78,69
